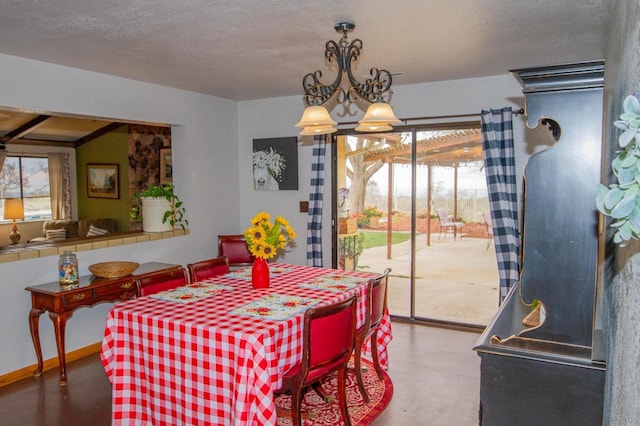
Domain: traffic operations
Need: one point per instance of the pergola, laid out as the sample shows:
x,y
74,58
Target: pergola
x,y
443,148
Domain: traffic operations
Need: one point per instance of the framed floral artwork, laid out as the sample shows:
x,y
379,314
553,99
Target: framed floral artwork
x,y
275,164
102,181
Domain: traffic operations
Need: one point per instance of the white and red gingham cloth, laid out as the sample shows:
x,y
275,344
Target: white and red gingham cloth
x,y
198,363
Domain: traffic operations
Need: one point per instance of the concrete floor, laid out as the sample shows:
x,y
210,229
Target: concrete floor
x,y
435,373
456,280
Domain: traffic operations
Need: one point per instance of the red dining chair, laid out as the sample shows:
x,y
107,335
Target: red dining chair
x,y
328,338
235,248
161,281
376,306
204,269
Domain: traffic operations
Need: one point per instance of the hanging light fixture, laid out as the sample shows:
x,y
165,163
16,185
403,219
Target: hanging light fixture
x,y
316,119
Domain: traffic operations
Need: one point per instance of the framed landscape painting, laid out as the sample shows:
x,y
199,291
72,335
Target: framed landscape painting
x,y
102,181
166,166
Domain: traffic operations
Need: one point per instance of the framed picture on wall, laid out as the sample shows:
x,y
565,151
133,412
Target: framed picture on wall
x,y
275,164
166,166
102,181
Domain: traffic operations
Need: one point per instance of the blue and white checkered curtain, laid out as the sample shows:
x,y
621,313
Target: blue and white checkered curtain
x,y
314,217
500,171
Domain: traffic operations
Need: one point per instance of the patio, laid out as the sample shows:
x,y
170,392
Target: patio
x,y
456,280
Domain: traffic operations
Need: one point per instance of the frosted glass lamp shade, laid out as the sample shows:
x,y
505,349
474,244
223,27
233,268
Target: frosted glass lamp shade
x,y
380,113
316,116
374,127
317,130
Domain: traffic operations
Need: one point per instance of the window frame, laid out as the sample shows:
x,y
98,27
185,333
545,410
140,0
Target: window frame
x,y
19,157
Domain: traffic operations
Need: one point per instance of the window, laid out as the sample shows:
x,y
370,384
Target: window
x,y
27,178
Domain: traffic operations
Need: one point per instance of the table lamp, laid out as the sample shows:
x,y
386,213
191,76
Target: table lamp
x,y
13,209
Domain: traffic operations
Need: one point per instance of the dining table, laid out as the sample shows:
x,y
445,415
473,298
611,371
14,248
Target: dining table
x,y
213,352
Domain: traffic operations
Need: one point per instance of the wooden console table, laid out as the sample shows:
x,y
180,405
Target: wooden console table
x,y
61,303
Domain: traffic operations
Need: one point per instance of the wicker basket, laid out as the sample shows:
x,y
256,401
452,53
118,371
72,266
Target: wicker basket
x,y
113,269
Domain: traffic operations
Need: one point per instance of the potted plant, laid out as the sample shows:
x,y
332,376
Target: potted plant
x,y
159,209
621,200
374,215
349,250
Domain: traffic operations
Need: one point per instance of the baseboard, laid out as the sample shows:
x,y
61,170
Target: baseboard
x,y
49,364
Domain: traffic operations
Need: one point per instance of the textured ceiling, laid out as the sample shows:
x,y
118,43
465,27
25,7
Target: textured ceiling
x,y
251,49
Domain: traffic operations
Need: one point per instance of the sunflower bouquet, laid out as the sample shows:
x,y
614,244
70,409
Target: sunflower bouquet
x,y
264,238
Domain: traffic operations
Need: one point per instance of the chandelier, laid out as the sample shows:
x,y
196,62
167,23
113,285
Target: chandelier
x,y
316,119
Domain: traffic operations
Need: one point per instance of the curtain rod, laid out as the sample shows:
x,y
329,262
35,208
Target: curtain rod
x,y
438,117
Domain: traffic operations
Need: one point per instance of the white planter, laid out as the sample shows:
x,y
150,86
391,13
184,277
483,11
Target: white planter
x,y
153,210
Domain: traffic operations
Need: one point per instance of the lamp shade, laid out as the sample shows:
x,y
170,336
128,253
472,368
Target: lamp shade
x,y
381,113
13,208
317,130
374,127
316,116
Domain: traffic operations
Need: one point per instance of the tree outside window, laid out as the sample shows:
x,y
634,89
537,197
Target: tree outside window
x,y
27,178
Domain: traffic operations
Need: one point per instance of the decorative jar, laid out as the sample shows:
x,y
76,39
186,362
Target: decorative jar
x,y
68,270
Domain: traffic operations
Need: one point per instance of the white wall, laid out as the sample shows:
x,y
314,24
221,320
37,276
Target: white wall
x,y
205,156
212,145
267,118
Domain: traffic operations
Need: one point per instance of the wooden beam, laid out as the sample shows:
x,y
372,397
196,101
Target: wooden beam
x,y
97,133
27,127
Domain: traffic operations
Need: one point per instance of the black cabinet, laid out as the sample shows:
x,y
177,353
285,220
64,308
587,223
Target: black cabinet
x,y
545,373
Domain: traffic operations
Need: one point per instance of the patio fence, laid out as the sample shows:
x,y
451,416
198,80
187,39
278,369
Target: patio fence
x,y
469,209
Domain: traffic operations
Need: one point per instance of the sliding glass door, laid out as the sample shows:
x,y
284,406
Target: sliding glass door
x,y
389,189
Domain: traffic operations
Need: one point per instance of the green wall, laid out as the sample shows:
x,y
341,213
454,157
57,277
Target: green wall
x,y
111,148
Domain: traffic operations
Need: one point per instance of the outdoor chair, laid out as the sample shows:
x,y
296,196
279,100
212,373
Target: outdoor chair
x,y
209,268
486,216
161,281
234,247
447,223
375,308
328,337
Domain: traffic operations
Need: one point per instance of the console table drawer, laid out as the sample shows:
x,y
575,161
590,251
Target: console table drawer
x,y
78,298
119,294
122,287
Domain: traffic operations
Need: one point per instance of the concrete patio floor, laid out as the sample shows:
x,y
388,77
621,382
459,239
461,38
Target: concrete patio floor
x,y
456,280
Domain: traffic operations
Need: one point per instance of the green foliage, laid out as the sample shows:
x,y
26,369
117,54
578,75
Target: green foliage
x,y
621,201
372,211
175,216
351,249
362,220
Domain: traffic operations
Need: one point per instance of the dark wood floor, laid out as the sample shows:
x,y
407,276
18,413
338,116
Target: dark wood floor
x,y
435,373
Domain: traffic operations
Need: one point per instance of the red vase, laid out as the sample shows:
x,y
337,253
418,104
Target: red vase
x,y
260,273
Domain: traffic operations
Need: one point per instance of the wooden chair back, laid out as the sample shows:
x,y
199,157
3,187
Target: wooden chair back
x,y
376,307
209,268
328,334
161,281
235,248
328,339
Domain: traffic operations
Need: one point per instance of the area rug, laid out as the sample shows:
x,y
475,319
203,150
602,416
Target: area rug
x,y
361,414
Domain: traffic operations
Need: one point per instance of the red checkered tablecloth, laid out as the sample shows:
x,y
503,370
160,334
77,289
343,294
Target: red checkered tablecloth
x,y
198,363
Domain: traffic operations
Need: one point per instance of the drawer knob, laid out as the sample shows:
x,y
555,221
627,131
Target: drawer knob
x,y
78,296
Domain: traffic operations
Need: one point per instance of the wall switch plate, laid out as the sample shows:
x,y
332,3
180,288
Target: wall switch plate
x,y
304,207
